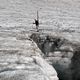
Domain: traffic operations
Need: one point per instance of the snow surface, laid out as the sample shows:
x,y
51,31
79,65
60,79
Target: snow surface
x,y
60,16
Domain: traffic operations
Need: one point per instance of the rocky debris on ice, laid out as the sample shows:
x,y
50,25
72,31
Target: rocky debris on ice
x,y
60,54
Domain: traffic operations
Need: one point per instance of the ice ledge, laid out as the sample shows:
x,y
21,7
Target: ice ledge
x,y
47,69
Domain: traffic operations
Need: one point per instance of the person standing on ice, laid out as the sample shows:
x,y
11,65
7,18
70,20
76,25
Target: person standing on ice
x,y
37,22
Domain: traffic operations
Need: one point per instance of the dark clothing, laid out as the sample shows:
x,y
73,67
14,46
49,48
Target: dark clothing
x,y
37,22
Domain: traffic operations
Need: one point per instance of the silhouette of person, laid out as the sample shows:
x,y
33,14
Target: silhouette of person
x,y
37,24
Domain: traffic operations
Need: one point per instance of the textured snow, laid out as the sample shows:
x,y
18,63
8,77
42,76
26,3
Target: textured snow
x,y
57,17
